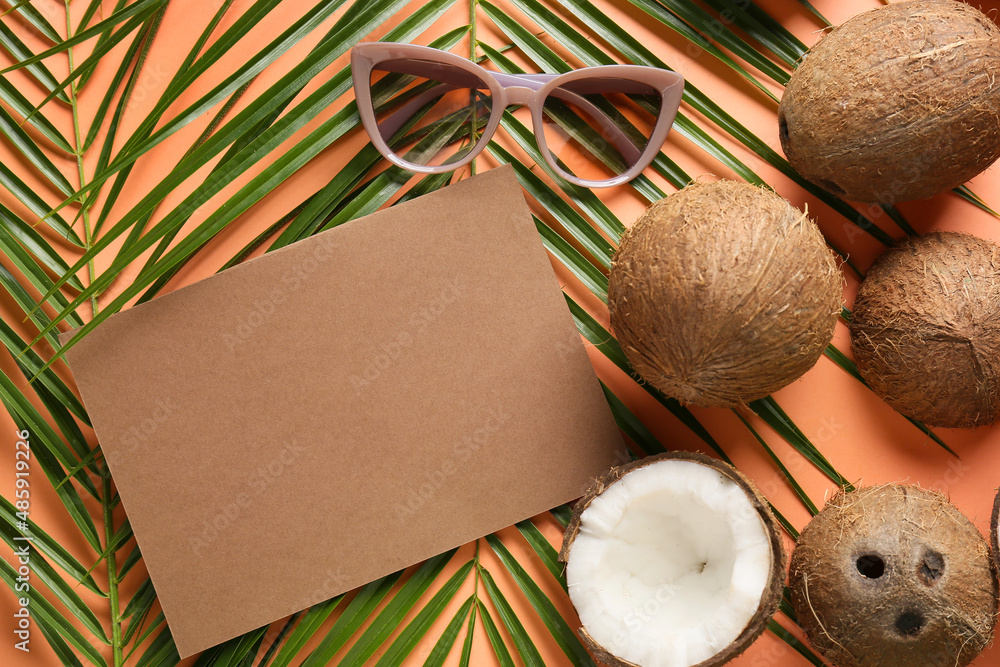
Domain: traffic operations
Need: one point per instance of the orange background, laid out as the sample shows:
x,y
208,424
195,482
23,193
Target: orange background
x,y
863,438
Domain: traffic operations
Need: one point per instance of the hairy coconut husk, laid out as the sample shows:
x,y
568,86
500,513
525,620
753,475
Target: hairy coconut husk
x,y
771,598
894,576
723,293
926,329
898,103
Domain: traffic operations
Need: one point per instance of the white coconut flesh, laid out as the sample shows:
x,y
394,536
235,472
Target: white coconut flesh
x,y
670,564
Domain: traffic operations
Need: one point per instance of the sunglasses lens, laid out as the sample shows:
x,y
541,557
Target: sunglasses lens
x,y
430,114
596,128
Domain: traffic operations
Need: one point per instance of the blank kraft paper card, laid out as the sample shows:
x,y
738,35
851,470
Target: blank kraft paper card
x,y
342,408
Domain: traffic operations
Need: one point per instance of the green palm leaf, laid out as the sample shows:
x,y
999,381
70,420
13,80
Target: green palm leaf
x,y
493,634
447,640
13,97
161,651
308,626
522,641
631,426
137,15
136,9
553,620
35,18
22,54
762,28
402,602
418,627
64,592
701,23
352,618
46,615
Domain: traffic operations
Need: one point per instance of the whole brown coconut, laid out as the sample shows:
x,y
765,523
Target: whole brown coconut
x,y
723,293
894,576
926,329
898,103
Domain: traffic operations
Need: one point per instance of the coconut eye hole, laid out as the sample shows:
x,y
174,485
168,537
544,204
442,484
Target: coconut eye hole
x,y
931,567
871,566
783,130
909,623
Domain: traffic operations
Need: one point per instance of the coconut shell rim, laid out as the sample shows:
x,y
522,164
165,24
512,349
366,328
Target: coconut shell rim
x,y
771,596
995,536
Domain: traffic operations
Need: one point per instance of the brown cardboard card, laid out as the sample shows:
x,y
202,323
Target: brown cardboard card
x,y
342,408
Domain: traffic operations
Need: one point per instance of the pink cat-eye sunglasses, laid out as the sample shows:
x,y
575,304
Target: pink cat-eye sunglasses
x,y
595,127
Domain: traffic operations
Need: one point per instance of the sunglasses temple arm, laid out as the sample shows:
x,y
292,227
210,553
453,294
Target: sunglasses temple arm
x,y
625,146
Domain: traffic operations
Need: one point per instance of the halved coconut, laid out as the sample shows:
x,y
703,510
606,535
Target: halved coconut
x,y
673,561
